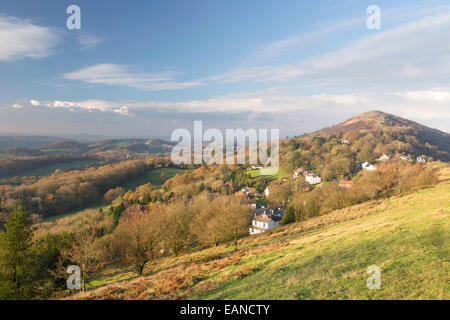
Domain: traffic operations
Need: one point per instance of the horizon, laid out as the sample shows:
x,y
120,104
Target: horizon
x,y
85,137
299,67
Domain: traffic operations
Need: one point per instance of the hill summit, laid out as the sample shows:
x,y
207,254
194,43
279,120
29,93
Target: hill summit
x,y
388,127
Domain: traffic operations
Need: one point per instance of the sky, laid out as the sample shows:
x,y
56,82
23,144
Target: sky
x,y
146,68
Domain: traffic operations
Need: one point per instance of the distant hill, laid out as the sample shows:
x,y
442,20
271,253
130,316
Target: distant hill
x,y
27,141
423,140
22,152
64,147
18,146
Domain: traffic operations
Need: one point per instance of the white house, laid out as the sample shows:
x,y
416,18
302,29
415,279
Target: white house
x,y
383,158
266,219
405,158
298,172
344,141
420,159
368,167
312,178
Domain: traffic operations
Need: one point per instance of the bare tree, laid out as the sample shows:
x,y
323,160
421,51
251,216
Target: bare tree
x,y
224,219
84,253
137,237
175,226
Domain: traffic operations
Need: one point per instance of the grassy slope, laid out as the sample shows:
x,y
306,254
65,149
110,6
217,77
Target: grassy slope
x,y
323,258
257,173
152,176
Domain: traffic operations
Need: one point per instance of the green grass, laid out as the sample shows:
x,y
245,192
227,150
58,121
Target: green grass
x,y
266,173
152,176
76,211
45,170
408,240
322,258
123,143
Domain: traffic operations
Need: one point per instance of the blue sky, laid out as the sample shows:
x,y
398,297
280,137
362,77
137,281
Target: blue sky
x,y
145,68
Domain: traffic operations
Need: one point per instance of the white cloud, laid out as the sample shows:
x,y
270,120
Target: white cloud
x,y
90,105
35,103
432,95
124,111
23,39
17,106
118,75
89,40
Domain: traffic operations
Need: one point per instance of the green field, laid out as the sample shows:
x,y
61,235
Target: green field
x,y
45,170
123,143
74,212
267,173
325,257
152,176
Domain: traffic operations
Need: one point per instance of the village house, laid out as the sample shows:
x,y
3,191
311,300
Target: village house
x,y
420,159
249,202
246,191
344,141
368,167
405,158
383,158
265,219
298,172
312,178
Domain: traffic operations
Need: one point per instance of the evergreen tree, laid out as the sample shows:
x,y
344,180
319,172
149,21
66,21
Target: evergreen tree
x,y
117,212
17,271
146,199
289,216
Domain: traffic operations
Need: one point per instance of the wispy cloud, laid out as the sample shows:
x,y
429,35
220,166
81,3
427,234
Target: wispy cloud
x,y
418,52
298,42
89,41
23,39
118,75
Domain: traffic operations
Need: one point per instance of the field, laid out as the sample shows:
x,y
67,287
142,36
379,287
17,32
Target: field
x,y
152,176
323,258
264,172
45,170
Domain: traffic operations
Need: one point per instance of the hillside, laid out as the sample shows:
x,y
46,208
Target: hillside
x,y
323,258
27,141
424,140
